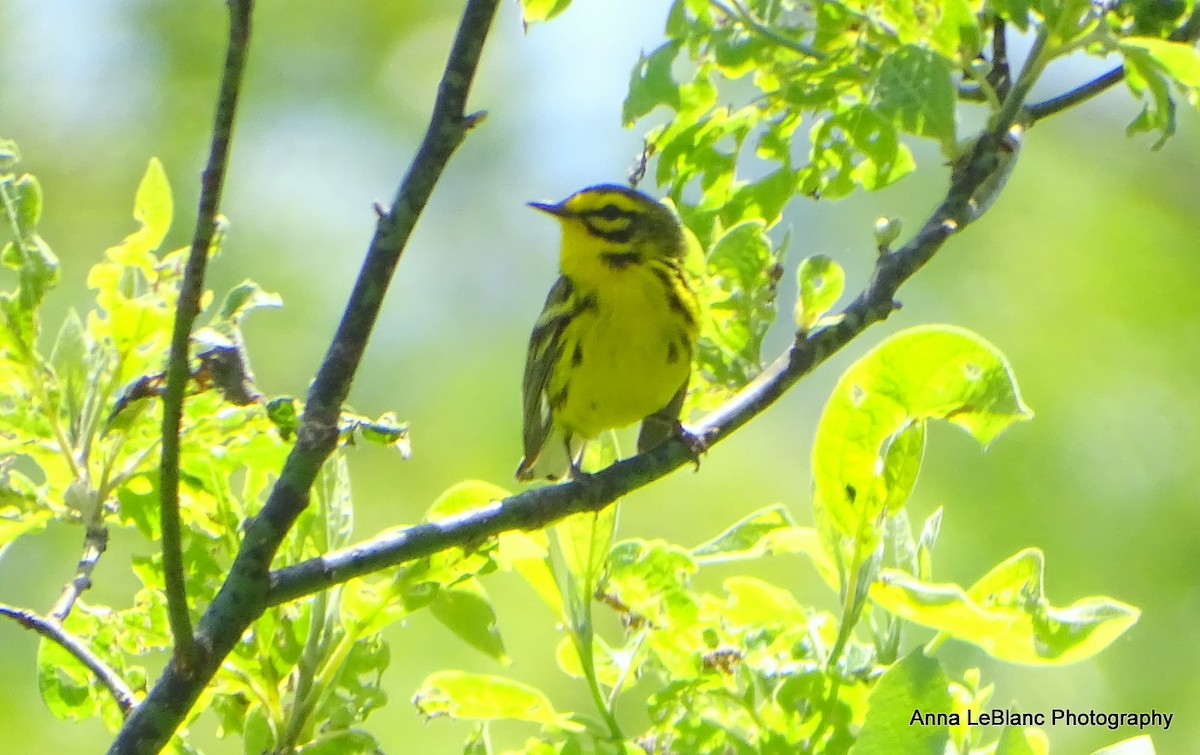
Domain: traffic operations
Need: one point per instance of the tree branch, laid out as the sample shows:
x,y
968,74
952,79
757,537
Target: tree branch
x,y
243,596
95,542
534,509
52,630
1000,77
188,308
743,15
1189,31
1081,93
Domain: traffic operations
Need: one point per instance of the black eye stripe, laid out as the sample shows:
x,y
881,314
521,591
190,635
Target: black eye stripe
x,y
617,235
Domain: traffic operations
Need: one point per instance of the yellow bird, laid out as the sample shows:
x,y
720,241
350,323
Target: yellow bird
x,y
615,339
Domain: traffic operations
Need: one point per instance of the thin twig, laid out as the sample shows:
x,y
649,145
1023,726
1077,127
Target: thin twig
x,y
536,508
1040,110
1000,77
95,541
53,630
764,30
1189,31
243,596
1014,103
190,291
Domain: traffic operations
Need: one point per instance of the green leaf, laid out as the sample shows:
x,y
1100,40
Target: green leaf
x,y
869,439
740,295
67,688
1146,79
651,84
647,581
36,265
820,282
766,532
754,602
533,11
1141,745
369,606
386,430
528,554
152,205
14,524
609,666
915,684
1007,614
885,158
71,360
334,513
747,538
465,609
929,535
1178,60
585,539
357,688
484,697
245,297
28,206
1015,12
282,413
915,86
464,496
1016,740
341,742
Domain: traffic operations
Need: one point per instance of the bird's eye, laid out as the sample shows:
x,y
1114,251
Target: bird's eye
x,y
609,212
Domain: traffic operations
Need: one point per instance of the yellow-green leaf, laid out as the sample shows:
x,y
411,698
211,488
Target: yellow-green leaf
x,y
1007,614
821,281
485,697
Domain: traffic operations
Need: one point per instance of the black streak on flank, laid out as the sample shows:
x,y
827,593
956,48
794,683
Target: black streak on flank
x,y
577,356
673,300
672,353
620,260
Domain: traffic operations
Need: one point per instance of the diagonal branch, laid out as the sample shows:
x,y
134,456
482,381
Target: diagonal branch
x,y
188,308
1189,31
52,630
1081,93
243,596
533,509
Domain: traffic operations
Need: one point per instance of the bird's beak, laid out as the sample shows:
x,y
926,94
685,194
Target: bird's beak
x,y
558,210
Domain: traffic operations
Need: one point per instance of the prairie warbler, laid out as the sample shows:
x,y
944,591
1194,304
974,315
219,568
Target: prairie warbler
x,y
615,339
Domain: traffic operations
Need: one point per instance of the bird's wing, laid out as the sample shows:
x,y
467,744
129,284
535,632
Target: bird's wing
x,y
545,347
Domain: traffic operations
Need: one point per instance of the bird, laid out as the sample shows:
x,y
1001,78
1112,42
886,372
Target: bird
x,y
615,339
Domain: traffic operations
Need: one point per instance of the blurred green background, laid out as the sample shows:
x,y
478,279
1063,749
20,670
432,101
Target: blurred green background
x,y
1084,273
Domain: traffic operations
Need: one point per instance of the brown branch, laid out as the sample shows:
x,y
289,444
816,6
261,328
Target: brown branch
x,y
52,630
95,542
190,291
243,596
967,197
1189,31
